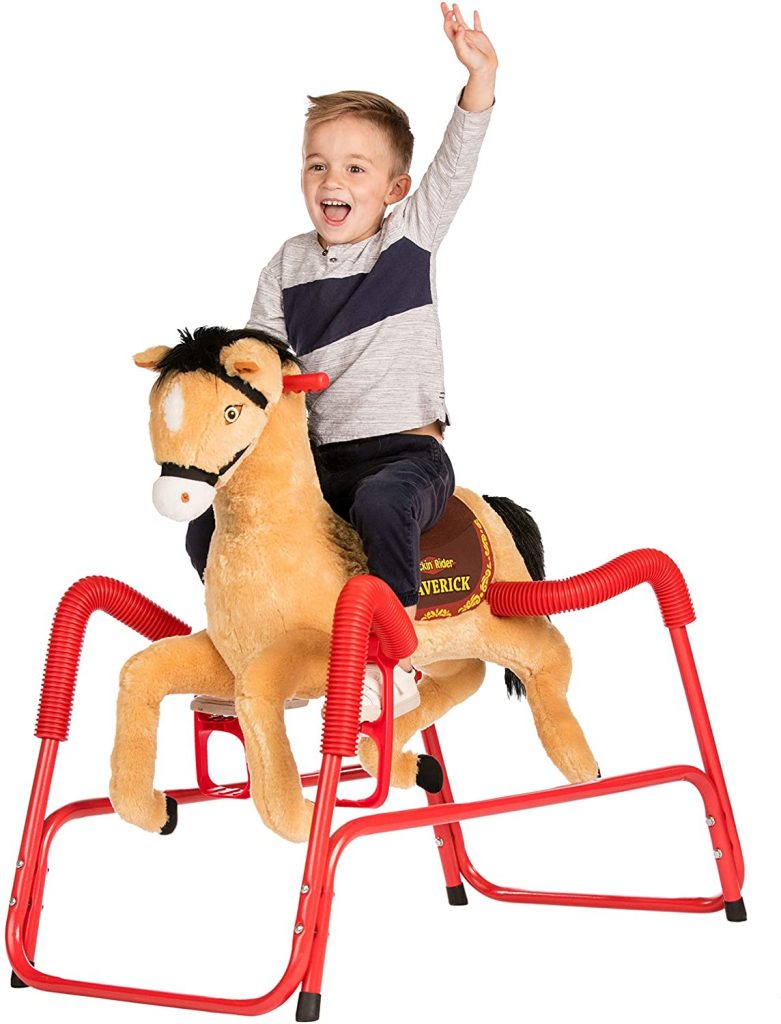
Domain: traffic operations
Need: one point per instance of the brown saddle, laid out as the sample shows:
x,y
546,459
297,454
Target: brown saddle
x,y
456,564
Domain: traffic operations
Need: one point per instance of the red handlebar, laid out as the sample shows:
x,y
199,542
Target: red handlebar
x,y
305,382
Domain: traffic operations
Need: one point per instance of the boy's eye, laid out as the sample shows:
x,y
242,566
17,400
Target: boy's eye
x,y
316,167
355,167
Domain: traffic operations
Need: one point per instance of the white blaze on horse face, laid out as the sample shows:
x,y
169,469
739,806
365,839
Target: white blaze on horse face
x,y
173,408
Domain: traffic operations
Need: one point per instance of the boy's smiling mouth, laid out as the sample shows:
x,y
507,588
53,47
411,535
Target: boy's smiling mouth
x,y
335,211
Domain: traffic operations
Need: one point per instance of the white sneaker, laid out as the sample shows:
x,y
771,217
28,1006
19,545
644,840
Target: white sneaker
x,y
406,696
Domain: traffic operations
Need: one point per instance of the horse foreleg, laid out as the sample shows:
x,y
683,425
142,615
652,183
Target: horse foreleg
x,y
295,663
444,684
537,653
182,664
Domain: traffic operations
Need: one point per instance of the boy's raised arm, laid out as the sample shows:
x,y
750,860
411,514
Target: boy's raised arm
x,y
474,50
430,210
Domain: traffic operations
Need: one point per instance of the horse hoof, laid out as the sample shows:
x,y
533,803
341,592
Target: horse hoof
x,y
430,776
171,809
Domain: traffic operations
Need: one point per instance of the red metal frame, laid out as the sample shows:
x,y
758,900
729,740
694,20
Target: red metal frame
x,y
205,725
365,607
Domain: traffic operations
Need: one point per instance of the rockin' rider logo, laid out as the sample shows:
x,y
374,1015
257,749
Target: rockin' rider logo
x,y
446,584
458,565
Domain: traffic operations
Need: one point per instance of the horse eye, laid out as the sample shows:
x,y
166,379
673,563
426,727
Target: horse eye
x,y
232,413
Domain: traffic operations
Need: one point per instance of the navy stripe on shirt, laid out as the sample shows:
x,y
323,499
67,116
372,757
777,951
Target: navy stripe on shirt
x,y
318,313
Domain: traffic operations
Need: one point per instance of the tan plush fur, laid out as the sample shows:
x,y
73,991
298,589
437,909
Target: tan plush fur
x,y
278,560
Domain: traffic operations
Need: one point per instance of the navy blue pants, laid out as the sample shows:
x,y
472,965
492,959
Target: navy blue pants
x,y
390,488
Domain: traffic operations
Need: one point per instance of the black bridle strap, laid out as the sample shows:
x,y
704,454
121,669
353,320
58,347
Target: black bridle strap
x,y
194,473
241,385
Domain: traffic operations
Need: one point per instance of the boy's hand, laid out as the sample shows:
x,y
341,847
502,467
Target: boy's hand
x,y
473,47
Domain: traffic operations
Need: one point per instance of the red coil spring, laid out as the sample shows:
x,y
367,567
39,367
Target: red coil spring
x,y
547,597
93,593
365,603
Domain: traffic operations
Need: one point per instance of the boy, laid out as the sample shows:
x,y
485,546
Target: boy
x,y
356,298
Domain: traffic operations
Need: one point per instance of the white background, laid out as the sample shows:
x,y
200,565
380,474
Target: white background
x,y
610,311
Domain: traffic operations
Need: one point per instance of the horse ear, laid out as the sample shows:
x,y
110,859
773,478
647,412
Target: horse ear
x,y
149,359
244,367
256,363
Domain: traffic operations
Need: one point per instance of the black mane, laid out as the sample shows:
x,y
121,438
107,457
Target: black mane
x,y
201,351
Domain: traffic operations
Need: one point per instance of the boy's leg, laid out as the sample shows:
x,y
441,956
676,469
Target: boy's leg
x,y
391,488
405,496
199,536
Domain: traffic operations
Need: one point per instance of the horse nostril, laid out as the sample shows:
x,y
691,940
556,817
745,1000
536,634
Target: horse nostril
x,y
185,497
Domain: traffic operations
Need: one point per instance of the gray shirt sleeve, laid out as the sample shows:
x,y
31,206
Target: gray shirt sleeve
x,y
267,313
428,212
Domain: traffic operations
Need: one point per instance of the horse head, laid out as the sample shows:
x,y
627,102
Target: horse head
x,y
213,398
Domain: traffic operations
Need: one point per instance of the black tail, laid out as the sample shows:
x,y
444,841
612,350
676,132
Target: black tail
x,y
526,534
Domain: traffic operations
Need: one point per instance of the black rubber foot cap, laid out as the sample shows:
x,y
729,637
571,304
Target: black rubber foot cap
x,y
171,809
735,910
430,776
16,981
308,1006
456,895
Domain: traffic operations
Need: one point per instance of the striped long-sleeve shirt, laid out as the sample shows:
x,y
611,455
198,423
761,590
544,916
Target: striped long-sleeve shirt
x,y
366,312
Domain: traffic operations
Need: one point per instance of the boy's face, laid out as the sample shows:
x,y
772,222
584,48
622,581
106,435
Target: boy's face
x,y
347,161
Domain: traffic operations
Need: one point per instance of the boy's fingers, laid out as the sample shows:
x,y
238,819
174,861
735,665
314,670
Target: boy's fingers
x,y
478,25
459,16
449,20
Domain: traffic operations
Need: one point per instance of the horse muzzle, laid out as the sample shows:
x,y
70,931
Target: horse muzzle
x,y
185,492
182,499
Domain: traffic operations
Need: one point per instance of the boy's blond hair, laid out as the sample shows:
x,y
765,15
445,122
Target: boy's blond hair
x,y
375,109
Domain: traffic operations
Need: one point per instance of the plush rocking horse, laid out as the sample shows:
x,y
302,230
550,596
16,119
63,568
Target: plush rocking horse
x,y
229,426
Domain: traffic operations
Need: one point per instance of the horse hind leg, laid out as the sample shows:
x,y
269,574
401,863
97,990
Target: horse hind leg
x,y
444,684
536,652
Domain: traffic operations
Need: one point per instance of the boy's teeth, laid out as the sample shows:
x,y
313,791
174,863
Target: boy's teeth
x,y
336,211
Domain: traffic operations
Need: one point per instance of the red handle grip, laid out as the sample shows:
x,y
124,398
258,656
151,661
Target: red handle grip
x,y
304,382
